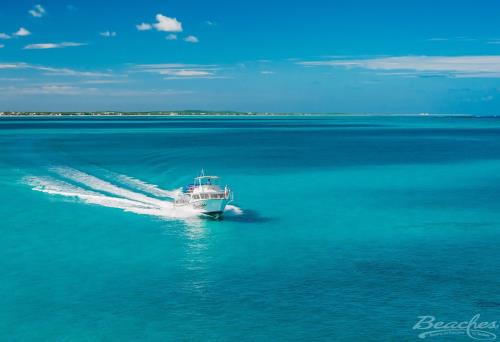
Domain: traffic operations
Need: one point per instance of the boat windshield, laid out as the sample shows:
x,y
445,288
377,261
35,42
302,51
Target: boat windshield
x,y
206,180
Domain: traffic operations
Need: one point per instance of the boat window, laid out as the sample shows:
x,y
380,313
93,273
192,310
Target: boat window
x,y
196,197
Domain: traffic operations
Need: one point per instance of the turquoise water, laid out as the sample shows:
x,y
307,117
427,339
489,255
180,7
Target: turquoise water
x,y
343,228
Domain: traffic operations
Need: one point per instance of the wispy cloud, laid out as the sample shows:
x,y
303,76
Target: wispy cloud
x,y
173,65
43,46
493,41
145,92
191,39
210,23
167,24
108,34
182,71
144,27
187,73
451,66
2,46
267,72
459,39
466,39
22,32
4,36
12,79
70,72
38,11
104,81
171,78
75,90
13,66
51,71
171,37
48,89
437,39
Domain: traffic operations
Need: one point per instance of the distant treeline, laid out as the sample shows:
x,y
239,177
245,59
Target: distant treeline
x,y
165,113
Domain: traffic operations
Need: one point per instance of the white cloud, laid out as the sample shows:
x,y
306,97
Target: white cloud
x,y
71,90
22,32
69,72
54,71
49,89
210,23
2,46
152,67
13,66
197,77
44,46
12,79
191,39
108,34
186,73
437,39
4,36
144,27
147,92
167,24
452,39
171,37
181,71
458,66
38,11
104,81
267,72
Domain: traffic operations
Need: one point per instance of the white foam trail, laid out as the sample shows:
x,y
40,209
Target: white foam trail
x,y
143,186
104,186
234,209
128,201
56,187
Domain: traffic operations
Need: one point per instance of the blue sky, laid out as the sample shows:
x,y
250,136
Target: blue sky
x,y
282,56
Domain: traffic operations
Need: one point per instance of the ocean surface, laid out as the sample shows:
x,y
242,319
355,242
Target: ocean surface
x,y
342,228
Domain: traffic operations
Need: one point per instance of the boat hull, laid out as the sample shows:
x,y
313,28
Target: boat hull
x,y
213,207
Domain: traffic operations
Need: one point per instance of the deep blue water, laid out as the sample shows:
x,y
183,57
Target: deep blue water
x,y
343,228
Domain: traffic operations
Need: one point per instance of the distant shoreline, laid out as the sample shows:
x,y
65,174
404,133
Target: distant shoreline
x,y
216,114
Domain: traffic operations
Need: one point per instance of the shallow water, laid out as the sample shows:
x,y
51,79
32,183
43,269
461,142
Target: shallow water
x,y
349,228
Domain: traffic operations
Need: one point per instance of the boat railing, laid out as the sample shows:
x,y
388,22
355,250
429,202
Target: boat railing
x,y
218,195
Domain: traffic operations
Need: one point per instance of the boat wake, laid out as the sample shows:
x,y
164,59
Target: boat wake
x,y
115,191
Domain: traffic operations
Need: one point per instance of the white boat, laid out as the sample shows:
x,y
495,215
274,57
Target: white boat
x,y
205,195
